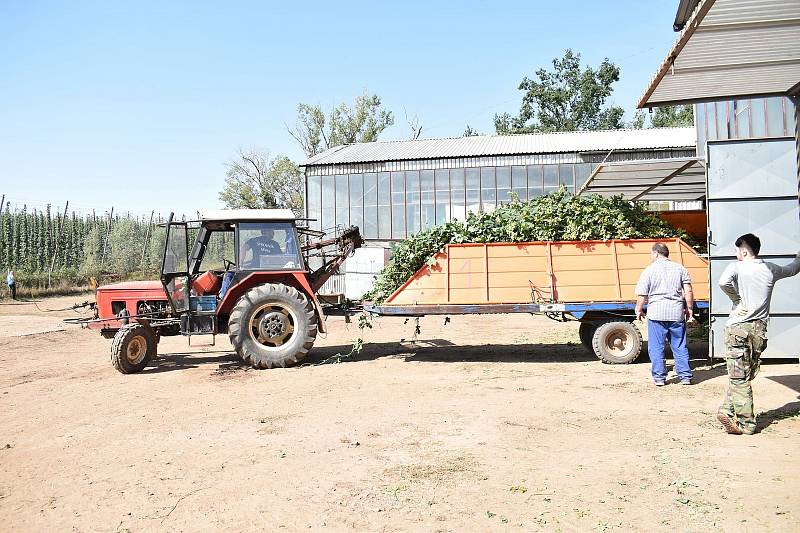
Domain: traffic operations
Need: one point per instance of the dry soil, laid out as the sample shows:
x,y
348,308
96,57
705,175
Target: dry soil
x,y
488,423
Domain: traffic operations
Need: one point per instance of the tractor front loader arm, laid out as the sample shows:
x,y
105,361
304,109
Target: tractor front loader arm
x,y
346,243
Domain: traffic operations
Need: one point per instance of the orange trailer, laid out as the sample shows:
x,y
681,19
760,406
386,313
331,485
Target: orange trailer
x,y
589,281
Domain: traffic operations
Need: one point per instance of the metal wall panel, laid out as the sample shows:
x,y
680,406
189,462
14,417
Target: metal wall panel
x,y
774,221
752,169
784,299
783,334
753,187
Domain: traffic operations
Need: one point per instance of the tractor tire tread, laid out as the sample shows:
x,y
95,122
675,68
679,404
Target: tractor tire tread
x,y
123,335
239,334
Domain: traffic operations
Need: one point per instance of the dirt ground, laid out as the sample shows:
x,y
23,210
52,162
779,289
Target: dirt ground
x,y
488,423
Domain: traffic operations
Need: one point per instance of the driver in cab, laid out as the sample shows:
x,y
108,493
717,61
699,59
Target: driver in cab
x,y
263,245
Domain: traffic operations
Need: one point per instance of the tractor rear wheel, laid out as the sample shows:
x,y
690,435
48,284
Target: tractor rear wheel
x,y
133,347
272,325
617,342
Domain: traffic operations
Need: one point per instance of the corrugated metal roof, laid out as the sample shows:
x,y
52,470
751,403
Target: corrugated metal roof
x,y
731,48
685,10
481,146
655,179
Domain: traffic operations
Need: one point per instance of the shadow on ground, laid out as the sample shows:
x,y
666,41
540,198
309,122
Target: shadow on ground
x,y
773,416
180,361
431,350
441,350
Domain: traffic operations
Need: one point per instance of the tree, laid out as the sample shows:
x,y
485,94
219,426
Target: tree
x,y
92,249
362,122
638,120
256,181
415,126
469,132
125,246
673,116
568,98
664,117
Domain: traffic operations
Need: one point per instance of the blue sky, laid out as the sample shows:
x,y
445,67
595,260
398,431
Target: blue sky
x,y
139,104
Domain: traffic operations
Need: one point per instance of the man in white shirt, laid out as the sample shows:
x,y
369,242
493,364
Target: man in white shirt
x,y
748,283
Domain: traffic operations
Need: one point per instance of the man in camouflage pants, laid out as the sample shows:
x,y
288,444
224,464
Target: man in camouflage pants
x,y
748,283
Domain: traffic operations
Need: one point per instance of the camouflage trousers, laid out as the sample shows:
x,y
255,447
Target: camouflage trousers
x,y
743,346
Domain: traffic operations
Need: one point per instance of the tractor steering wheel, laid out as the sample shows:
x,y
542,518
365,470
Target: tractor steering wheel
x,y
228,264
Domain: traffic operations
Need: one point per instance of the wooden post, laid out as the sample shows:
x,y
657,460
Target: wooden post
x,y
146,239
486,269
447,266
550,275
108,234
680,249
57,238
616,268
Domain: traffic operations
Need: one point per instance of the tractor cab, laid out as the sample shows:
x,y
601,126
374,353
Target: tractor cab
x,y
228,245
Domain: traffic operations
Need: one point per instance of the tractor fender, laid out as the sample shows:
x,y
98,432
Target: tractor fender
x,y
297,279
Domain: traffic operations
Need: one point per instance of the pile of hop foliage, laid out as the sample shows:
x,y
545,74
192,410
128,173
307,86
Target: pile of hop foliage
x,y
559,216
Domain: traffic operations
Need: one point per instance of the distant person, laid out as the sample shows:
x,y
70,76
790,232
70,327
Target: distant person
x,y
12,284
263,245
666,288
748,283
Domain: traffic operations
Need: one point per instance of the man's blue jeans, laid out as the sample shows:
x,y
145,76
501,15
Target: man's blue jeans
x,y
658,332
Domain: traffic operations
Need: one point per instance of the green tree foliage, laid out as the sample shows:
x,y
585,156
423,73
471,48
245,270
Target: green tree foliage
x,y
125,250
639,119
255,181
345,124
470,132
673,116
92,248
559,216
664,117
568,98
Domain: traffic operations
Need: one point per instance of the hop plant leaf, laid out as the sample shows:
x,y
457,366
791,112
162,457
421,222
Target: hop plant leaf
x,y
559,216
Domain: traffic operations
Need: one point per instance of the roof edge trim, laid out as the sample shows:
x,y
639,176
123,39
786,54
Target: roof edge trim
x,y
691,26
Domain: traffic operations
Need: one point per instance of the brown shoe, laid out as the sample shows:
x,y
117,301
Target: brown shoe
x,y
730,425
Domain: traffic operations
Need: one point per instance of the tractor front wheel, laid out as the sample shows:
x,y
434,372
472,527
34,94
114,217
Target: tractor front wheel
x,y
133,347
272,325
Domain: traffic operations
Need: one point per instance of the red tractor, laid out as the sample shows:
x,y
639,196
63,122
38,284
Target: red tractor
x,y
246,275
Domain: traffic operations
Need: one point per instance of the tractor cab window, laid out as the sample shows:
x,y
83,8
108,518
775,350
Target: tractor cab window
x,y
176,257
218,251
174,266
269,246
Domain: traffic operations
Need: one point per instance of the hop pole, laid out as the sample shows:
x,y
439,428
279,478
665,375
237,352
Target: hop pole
x,y
57,239
108,234
146,239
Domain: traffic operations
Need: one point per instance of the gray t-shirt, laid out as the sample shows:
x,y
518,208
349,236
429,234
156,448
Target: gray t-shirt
x,y
662,282
749,286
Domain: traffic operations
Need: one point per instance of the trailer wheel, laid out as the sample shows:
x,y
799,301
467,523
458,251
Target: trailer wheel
x,y
617,342
133,347
272,325
586,333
